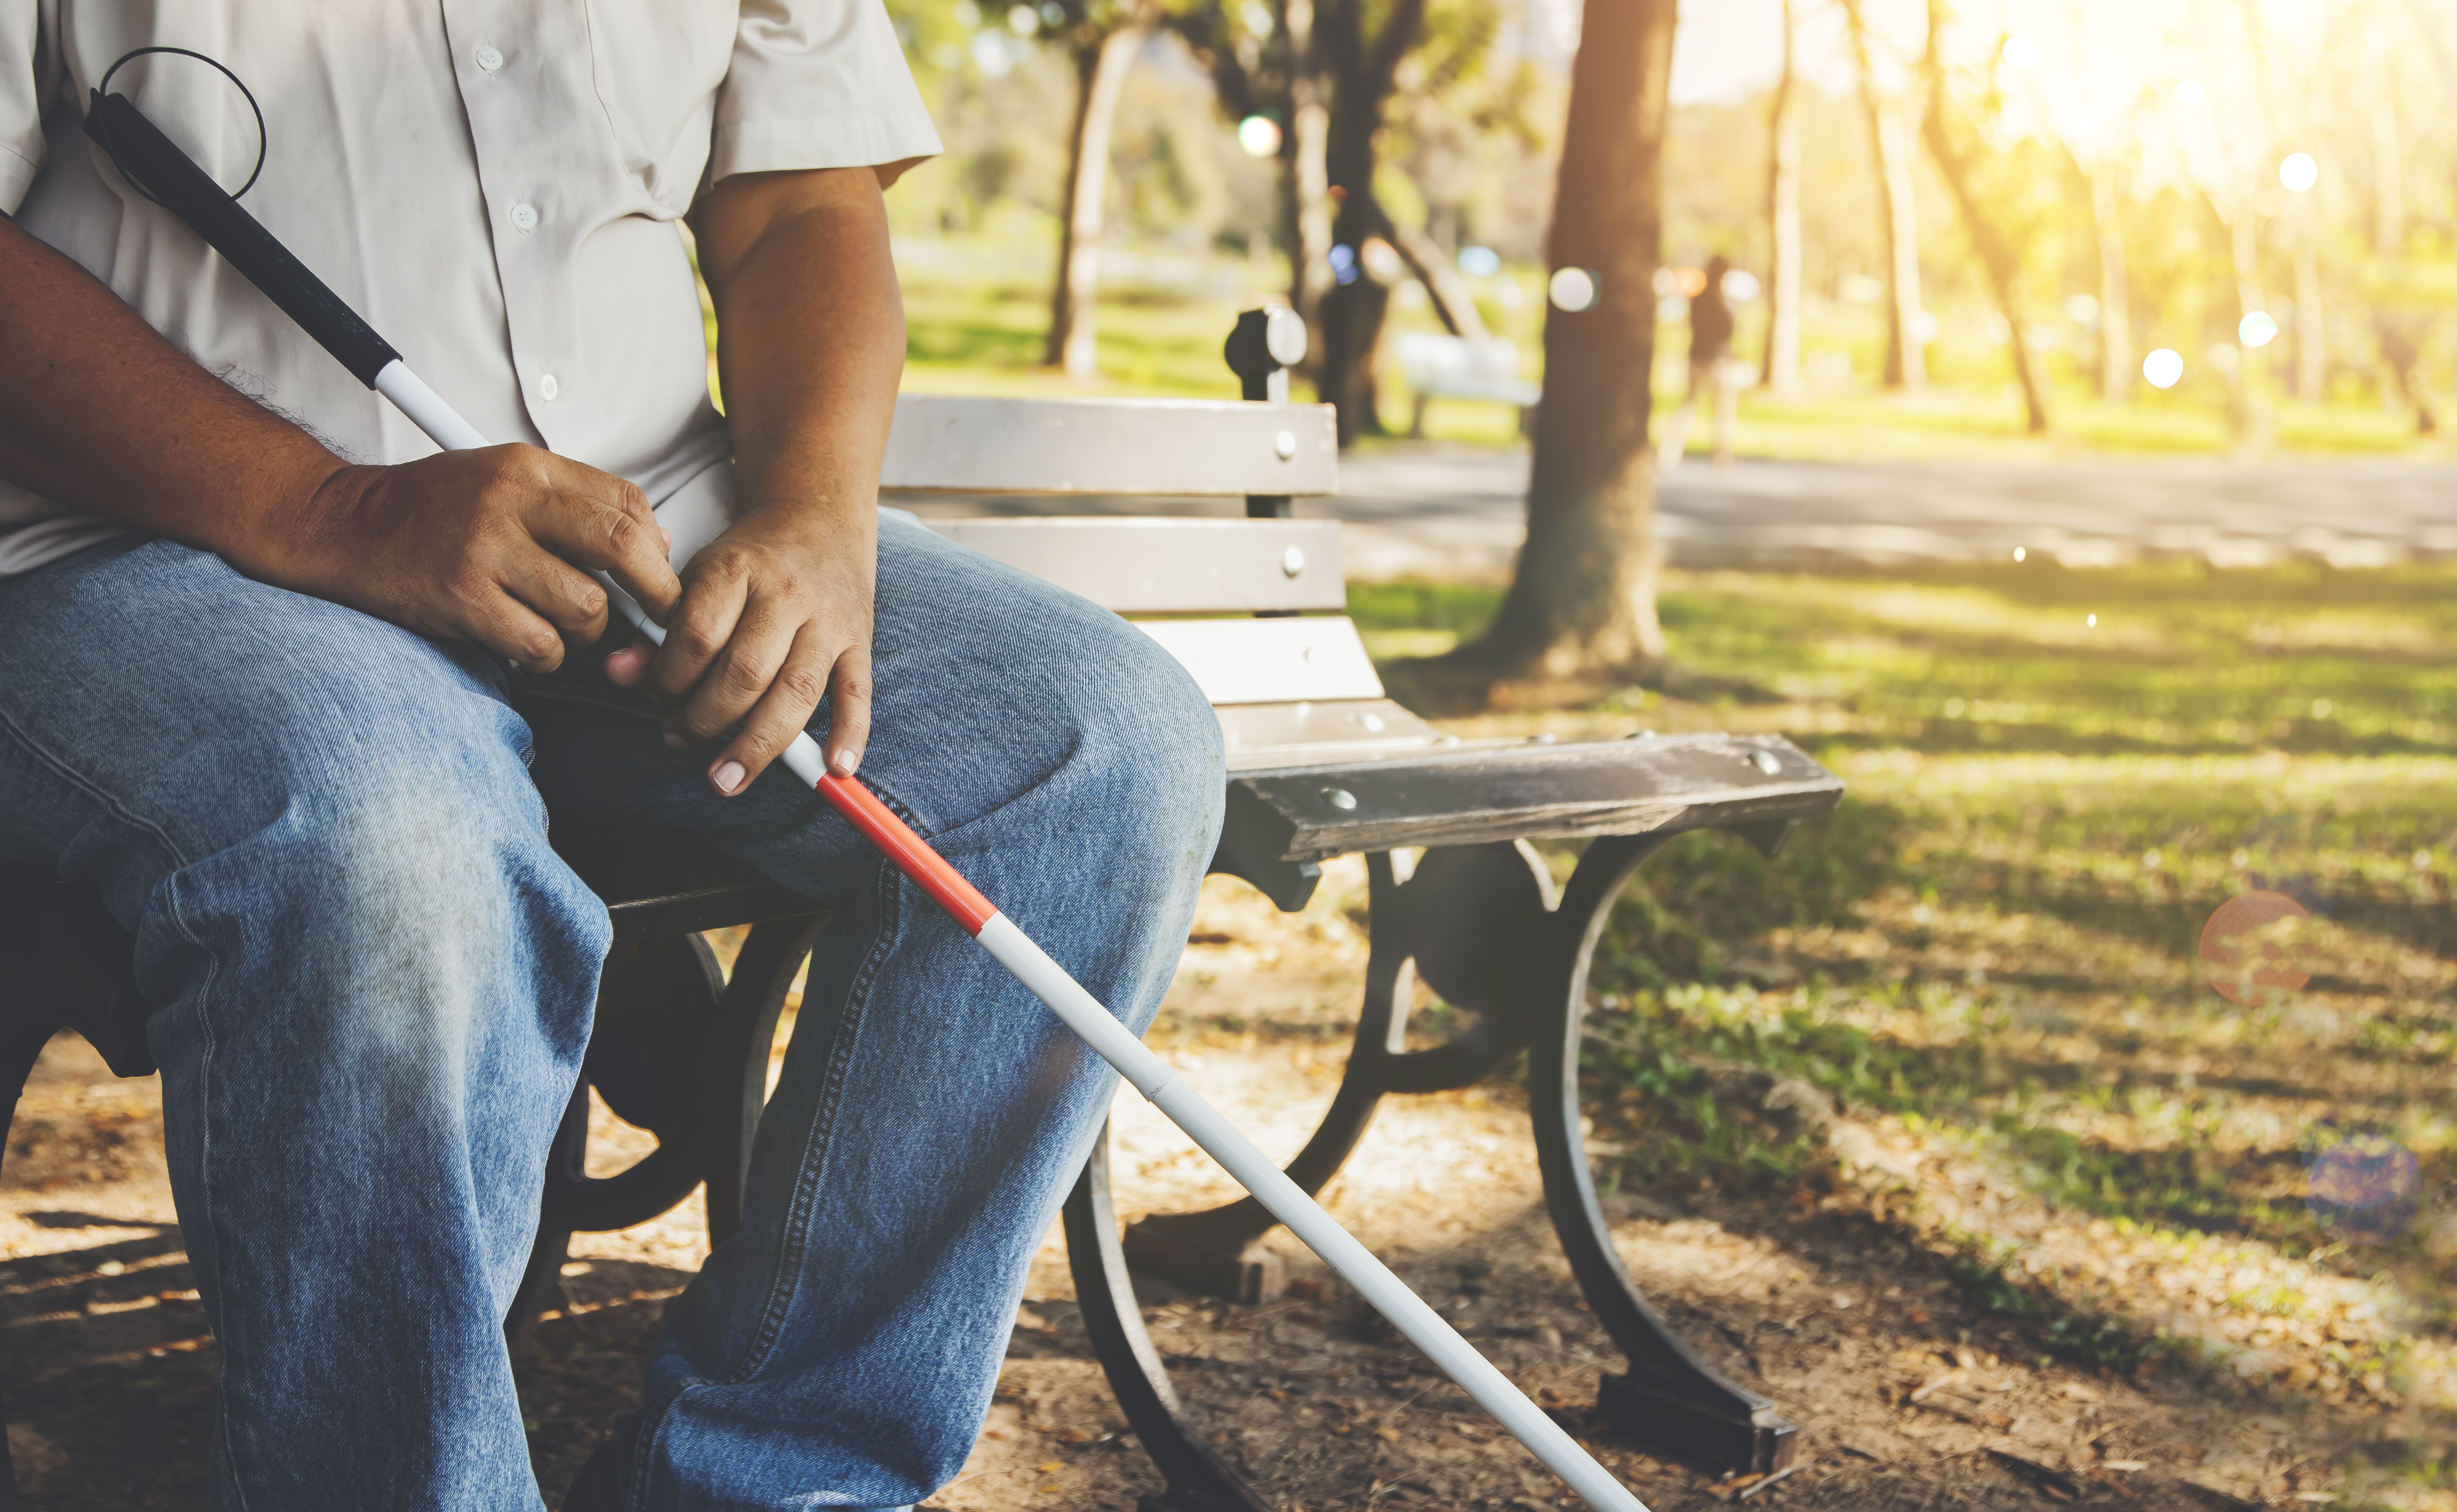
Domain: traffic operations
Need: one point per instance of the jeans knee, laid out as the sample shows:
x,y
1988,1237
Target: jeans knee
x,y
1148,773
420,896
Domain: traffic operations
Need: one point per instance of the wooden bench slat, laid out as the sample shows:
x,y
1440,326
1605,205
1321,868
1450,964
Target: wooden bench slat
x,y
1163,565
1285,734
1270,660
1189,447
1473,794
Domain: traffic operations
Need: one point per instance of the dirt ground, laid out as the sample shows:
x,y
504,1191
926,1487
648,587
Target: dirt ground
x,y
1910,1392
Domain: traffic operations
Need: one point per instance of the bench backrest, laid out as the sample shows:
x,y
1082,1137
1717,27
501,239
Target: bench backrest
x,y
1282,576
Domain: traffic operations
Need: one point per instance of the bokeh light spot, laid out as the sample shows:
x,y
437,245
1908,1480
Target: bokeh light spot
x,y
2021,51
2189,93
1572,289
2363,1186
2260,328
1480,263
1259,135
2297,171
2019,552
2163,368
2254,949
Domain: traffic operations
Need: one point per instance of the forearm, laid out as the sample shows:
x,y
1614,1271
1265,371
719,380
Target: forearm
x,y
98,411
811,343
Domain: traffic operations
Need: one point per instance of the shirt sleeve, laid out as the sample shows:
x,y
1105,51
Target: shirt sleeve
x,y
26,69
816,84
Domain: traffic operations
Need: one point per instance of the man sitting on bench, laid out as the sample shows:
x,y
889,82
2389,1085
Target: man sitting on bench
x,y
255,695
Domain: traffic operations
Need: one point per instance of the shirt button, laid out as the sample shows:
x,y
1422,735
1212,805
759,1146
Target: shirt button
x,y
490,59
548,388
525,217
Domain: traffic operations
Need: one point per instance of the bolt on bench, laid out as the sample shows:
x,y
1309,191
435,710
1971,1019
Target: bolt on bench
x,y
1321,763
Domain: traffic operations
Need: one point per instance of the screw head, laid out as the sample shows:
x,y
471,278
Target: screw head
x,y
1765,761
1292,562
1284,445
1339,798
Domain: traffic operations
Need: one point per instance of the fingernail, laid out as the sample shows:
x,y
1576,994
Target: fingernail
x,y
844,762
728,776
675,741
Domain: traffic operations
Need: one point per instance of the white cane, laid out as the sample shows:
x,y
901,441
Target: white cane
x,y
153,161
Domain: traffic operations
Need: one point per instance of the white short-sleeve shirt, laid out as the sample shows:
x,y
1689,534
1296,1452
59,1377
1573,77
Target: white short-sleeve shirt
x,y
490,183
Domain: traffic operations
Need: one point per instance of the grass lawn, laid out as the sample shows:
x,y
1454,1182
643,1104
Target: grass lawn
x,y
1994,951
978,314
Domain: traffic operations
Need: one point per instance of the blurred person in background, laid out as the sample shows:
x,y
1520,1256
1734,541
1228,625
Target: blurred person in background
x,y
1711,370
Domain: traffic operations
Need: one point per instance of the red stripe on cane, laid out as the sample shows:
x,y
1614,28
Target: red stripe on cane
x,y
911,854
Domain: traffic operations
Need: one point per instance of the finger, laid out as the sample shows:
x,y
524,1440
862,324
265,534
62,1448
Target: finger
x,y
849,711
601,521
628,667
743,672
558,592
698,630
512,631
783,712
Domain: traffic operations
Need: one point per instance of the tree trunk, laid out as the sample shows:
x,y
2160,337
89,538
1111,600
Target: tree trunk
x,y
1352,310
2248,417
1897,218
1308,182
1100,75
1781,365
1998,258
2388,177
1584,594
1433,267
2311,336
2115,292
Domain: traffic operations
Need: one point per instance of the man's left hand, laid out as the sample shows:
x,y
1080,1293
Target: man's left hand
x,y
775,614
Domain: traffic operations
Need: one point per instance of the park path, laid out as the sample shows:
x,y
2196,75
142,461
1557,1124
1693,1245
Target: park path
x,y
1437,510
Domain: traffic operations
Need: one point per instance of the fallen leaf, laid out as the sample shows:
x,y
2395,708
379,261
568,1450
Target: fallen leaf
x,y
1049,1466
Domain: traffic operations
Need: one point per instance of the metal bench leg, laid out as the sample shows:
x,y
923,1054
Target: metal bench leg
x,y
1670,1398
1471,918
1199,1480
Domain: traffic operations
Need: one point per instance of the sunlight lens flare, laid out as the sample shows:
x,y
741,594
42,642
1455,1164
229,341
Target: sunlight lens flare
x,y
1572,290
2297,171
2252,949
1259,135
2364,1186
2260,328
2163,368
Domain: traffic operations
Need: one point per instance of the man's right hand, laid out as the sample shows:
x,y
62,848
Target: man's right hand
x,y
476,546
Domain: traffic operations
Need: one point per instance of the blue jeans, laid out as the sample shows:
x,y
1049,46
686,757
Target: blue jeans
x,y
371,983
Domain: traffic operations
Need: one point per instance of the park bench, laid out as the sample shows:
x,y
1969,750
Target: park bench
x,y
1439,366
1321,763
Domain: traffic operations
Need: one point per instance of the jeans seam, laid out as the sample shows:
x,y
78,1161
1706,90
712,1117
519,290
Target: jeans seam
x,y
808,1169
797,1221
205,1155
